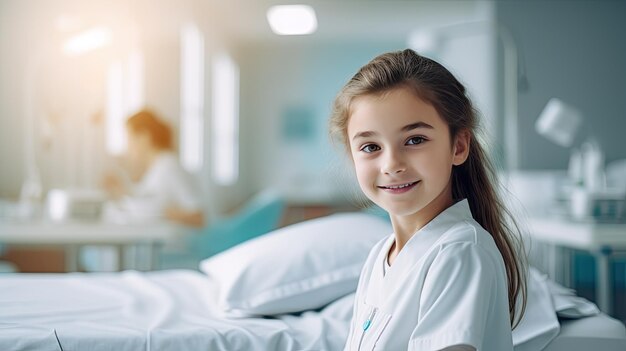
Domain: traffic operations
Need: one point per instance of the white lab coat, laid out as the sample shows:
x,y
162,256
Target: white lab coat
x,y
165,184
448,286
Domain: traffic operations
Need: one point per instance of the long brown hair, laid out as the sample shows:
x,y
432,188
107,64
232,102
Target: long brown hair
x,y
149,122
475,179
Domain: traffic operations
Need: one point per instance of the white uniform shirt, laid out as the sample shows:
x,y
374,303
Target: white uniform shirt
x,y
164,184
447,286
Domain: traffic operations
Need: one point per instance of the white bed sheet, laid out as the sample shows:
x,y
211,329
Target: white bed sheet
x,y
175,310
598,333
166,310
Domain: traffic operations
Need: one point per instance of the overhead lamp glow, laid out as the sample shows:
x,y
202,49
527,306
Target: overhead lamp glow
x,y
292,19
88,40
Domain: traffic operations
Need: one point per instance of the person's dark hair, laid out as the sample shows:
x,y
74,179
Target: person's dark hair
x,y
475,179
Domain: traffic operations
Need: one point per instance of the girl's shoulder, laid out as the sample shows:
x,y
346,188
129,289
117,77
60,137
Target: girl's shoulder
x,y
467,235
466,230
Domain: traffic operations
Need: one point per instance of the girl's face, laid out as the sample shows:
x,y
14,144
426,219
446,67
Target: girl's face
x,y
402,152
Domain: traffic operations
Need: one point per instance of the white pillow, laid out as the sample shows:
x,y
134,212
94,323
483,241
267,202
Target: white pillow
x,y
295,268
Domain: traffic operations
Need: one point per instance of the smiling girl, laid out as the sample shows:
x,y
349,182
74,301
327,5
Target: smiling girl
x,y
451,276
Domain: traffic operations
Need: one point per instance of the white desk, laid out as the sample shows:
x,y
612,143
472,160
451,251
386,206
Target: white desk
x,y
73,235
603,240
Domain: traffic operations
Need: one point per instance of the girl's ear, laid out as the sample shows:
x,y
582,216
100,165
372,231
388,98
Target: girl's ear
x,y
461,147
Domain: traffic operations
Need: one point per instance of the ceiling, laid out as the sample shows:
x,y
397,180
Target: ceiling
x,y
348,19
242,20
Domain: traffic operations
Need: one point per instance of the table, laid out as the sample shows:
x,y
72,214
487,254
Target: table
x,y
73,234
604,240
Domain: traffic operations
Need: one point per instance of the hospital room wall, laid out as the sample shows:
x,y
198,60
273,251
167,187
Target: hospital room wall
x,y
66,91
22,27
575,51
163,88
11,89
296,79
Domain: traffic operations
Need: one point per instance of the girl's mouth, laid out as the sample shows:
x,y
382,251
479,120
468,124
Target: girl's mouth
x,y
399,188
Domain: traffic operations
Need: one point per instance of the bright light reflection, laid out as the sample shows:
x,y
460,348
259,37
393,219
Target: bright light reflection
x,y
292,19
86,41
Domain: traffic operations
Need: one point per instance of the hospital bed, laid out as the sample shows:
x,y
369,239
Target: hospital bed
x,y
255,296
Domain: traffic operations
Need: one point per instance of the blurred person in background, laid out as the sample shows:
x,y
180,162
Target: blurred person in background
x,y
156,185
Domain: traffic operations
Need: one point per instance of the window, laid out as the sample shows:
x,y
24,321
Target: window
x,y
125,95
191,97
225,120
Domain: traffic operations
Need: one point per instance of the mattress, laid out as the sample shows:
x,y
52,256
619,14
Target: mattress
x,y
599,332
163,310
176,310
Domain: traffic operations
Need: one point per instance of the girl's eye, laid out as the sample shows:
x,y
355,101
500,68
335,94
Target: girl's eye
x,y
369,148
415,140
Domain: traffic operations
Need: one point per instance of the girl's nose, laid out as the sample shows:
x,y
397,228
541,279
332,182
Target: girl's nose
x,y
393,163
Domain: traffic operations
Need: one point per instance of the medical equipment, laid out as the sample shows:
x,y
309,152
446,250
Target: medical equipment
x,y
74,204
559,122
606,205
589,197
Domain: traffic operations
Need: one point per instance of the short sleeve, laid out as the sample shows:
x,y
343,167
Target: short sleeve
x,y
457,298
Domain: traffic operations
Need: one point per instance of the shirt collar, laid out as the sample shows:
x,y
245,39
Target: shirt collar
x,y
419,244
